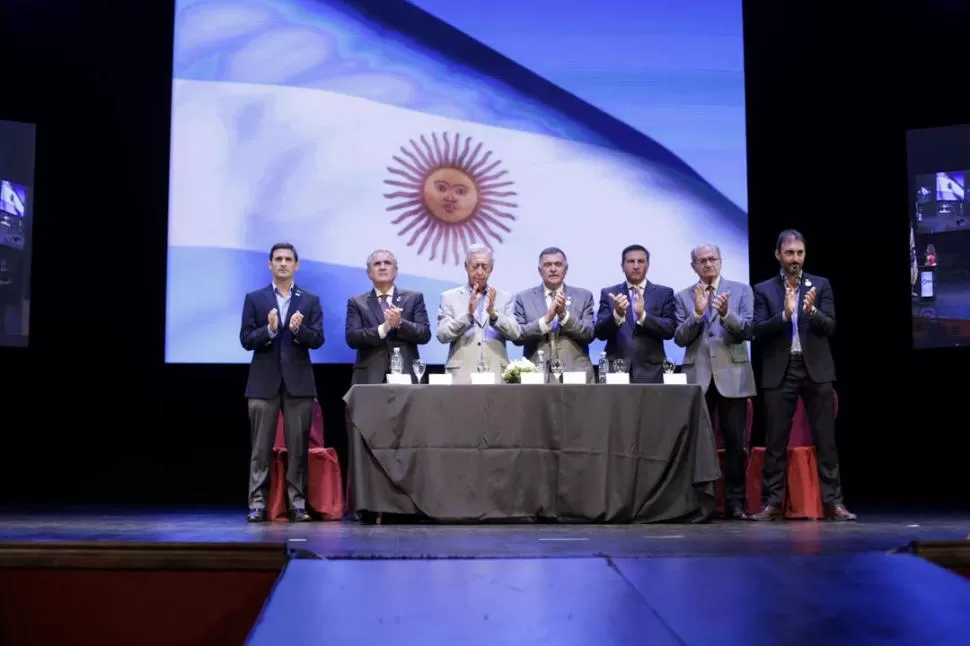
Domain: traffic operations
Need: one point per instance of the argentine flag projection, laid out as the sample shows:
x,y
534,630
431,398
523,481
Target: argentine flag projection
x,y
348,126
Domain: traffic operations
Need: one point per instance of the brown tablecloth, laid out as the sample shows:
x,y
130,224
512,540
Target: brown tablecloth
x,y
579,453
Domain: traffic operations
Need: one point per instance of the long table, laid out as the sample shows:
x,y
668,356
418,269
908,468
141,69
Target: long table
x,y
568,453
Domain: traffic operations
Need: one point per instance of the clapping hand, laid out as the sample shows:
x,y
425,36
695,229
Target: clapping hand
x,y
791,298
274,320
701,299
620,304
392,317
473,300
295,322
638,304
559,305
809,303
721,304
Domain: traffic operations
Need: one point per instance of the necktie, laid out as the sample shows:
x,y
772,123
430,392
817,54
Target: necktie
x,y
554,326
630,314
384,305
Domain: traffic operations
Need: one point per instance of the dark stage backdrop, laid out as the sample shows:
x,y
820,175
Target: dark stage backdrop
x,y
92,415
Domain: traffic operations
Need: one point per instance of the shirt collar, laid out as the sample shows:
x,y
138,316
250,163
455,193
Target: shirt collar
x,y
642,285
784,277
716,283
550,292
278,292
390,293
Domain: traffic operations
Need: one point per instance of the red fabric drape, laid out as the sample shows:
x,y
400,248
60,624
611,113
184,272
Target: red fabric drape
x,y
325,496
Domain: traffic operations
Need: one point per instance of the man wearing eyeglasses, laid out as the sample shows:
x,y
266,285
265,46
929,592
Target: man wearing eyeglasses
x,y
714,324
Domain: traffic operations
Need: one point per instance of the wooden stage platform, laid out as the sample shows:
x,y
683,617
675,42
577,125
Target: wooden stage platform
x,y
889,579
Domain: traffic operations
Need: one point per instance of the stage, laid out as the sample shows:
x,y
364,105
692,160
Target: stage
x,y
718,583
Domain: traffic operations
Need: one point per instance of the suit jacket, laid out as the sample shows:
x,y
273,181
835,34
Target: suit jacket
x,y
470,338
640,345
364,316
717,348
570,343
773,334
283,359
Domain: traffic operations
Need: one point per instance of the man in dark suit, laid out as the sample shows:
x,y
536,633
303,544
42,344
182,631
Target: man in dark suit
x,y
635,317
281,323
385,318
794,317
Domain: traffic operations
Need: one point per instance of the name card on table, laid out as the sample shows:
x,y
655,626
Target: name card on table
x,y
618,377
532,378
440,380
399,380
675,378
483,378
574,377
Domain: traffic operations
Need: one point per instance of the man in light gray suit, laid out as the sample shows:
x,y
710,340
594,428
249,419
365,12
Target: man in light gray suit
x,y
714,324
476,320
556,318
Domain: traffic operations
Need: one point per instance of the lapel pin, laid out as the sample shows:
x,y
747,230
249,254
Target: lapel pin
x,y
808,283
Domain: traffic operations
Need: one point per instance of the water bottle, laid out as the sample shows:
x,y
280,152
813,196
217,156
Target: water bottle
x,y
397,362
604,368
541,362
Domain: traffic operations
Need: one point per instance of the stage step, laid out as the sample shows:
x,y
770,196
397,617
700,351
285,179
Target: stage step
x,y
120,594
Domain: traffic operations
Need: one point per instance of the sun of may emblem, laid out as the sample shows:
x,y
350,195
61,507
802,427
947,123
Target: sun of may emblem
x,y
451,195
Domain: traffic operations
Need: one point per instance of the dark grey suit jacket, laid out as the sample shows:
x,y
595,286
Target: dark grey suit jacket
x,y
570,344
364,317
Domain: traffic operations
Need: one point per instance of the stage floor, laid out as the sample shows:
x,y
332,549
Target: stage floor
x,y
720,583
878,531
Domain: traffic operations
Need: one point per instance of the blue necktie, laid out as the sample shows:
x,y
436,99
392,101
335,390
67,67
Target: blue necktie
x,y
629,311
554,326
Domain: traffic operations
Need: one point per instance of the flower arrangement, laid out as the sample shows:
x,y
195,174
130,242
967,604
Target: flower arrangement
x,y
512,371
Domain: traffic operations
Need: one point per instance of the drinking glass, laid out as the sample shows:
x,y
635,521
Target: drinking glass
x,y
482,366
418,367
556,366
619,365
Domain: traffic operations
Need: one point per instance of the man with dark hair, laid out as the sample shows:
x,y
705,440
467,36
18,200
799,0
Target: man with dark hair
x,y
794,317
556,318
635,317
281,323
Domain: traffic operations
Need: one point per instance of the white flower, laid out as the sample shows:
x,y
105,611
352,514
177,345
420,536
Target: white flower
x,y
516,368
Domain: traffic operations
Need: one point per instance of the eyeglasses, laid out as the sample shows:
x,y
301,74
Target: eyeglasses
x,y
706,261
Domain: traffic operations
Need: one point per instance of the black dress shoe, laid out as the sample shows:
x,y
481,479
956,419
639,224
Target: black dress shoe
x,y
300,516
256,516
736,512
768,512
839,513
